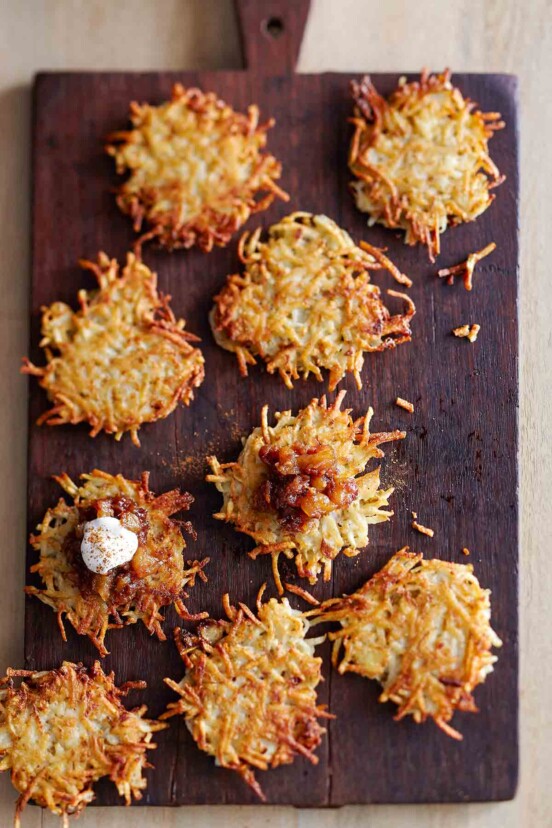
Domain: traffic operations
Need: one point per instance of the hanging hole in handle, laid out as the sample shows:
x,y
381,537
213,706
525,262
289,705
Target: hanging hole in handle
x,y
273,28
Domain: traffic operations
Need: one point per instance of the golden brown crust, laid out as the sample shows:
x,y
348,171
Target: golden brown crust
x,y
197,169
422,629
62,730
249,692
304,302
300,516
122,359
154,578
421,157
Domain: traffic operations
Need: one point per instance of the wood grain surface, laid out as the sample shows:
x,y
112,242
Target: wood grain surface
x,y
483,36
457,468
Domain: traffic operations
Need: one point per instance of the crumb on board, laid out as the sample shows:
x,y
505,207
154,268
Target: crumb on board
x,y
196,464
424,530
467,332
408,406
465,269
465,551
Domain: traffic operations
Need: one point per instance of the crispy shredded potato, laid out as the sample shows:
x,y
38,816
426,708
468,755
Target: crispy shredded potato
x,y
422,629
402,403
196,169
122,359
466,268
305,302
300,488
469,332
421,157
249,692
423,530
135,591
62,730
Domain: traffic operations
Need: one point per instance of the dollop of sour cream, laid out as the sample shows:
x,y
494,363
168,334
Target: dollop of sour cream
x,y
107,544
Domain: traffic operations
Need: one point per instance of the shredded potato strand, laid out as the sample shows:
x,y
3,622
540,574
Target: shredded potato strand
x,y
466,269
468,332
402,403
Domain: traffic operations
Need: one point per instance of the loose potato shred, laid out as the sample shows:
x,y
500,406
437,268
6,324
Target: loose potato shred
x,y
423,530
405,404
469,332
466,269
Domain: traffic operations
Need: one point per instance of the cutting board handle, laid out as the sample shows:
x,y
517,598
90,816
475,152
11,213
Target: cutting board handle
x,y
271,33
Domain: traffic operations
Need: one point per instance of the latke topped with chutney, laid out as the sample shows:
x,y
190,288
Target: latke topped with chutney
x,y
300,488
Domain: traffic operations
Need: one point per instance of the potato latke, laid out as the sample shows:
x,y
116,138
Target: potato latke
x,y
135,591
422,629
196,169
300,487
305,303
249,692
421,157
62,730
122,359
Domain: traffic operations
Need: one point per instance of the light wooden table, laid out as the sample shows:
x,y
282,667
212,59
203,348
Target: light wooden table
x,y
347,35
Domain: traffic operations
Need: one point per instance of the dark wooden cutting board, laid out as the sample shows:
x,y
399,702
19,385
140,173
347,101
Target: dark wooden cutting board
x,y
457,468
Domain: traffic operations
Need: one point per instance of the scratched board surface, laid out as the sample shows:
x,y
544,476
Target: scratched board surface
x,y
456,468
